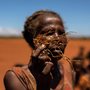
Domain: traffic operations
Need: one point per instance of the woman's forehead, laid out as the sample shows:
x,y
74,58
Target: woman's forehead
x,y
51,19
48,22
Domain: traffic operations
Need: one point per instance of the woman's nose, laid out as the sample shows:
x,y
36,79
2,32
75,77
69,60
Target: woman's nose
x,y
56,34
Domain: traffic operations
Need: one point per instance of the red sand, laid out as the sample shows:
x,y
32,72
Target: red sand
x,y
13,51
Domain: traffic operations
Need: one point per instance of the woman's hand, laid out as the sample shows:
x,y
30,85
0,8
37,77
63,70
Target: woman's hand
x,y
42,58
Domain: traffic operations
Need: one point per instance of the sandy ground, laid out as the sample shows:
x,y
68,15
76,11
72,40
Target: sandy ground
x,y
13,51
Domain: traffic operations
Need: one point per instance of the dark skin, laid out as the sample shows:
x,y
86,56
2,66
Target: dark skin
x,y
42,67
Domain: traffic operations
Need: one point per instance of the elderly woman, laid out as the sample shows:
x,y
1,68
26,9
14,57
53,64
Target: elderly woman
x,y
48,69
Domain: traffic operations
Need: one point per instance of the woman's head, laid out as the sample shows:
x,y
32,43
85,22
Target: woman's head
x,y
45,27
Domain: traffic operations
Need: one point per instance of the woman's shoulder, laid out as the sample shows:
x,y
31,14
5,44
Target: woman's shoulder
x,y
11,72
11,81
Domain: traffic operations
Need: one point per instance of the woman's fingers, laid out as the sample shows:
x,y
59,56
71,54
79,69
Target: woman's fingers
x,y
47,68
38,50
44,58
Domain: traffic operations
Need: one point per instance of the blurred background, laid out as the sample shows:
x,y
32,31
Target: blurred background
x,y
76,17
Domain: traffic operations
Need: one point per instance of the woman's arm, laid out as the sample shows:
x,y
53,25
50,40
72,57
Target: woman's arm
x,y
66,82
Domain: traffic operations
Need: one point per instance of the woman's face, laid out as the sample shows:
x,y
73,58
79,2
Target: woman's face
x,y
52,34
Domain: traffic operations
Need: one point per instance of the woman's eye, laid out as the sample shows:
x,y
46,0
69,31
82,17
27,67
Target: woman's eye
x,y
49,33
42,32
60,32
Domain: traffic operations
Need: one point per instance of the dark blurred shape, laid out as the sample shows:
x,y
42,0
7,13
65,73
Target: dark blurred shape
x,y
77,64
88,55
77,67
88,68
80,55
18,65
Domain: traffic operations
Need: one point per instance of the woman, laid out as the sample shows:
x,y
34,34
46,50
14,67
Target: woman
x,y
48,69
